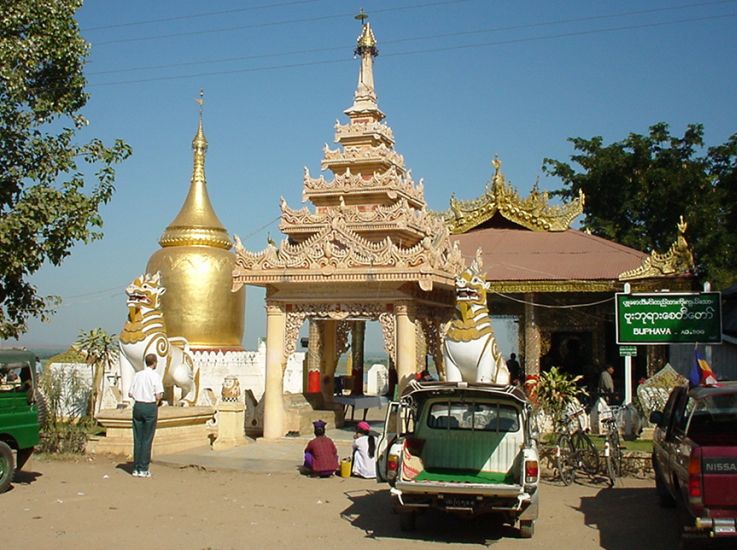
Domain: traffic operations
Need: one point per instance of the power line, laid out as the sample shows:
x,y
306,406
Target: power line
x,y
196,15
275,23
415,38
416,52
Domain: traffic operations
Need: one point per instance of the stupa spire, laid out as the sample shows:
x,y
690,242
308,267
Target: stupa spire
x,y
197,223
364,101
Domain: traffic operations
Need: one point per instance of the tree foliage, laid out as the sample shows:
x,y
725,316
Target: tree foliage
x,y
100,350
52,184
637,188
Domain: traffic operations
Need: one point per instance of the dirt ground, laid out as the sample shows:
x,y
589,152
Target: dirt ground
x,y
95,503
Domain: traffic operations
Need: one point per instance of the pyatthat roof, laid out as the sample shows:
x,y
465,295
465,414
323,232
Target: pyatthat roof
x,y
514,258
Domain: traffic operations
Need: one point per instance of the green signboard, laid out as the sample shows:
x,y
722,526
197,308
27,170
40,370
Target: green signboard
x,y
628,351
669,318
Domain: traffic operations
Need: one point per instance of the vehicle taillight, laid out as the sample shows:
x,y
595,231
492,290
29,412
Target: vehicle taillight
x,y
392,463
531,471
694,478
414,445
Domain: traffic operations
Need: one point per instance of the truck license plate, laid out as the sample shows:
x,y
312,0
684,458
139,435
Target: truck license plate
x,y
722,530
458,502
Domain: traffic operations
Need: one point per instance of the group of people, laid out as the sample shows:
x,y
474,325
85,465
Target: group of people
x,y
321,455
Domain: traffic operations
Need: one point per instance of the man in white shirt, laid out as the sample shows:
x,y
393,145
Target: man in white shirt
x,y
146,390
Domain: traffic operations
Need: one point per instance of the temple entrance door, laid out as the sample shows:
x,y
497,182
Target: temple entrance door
x,y
571,351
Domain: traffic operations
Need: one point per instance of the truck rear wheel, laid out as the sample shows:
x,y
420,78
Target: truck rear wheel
x,y
7,466
407,520
526,529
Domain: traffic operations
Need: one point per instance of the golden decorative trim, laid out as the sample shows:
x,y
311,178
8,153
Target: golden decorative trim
x,y
677,261
533,212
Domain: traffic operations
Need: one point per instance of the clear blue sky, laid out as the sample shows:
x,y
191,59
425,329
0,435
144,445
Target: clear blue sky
x,y
459,81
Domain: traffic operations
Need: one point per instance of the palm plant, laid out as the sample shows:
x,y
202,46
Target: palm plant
x,y
556,390
99,349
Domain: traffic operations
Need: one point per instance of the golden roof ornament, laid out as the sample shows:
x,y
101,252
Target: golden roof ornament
x,y
677,261
197,223
534,212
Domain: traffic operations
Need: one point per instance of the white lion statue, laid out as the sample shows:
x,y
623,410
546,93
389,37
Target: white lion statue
x,y
145,332
470,351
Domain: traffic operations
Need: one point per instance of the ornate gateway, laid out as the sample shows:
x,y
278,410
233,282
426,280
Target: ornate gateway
x,y
145,332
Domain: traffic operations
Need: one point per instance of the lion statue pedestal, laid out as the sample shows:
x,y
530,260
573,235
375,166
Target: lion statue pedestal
x,y
177,429
231,416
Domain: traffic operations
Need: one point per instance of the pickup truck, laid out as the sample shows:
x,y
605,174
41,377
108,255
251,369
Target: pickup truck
x,y
463,448
695,459
19,424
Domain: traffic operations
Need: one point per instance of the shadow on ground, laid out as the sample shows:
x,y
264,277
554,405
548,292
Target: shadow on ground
x,y
24,477
623,515
371,511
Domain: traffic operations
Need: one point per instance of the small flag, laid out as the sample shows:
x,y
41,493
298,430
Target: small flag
x,y
701,373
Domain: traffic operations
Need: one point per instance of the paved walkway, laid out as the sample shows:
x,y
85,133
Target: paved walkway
x,y
282,455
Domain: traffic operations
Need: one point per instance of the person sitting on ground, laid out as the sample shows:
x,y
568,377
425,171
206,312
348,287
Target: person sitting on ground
x,y
364,451
321,456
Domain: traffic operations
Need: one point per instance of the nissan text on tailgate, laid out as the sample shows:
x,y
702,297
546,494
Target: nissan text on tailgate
x,y
464,448
695,458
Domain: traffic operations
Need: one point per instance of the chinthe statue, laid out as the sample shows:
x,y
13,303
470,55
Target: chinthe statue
x,y
470,351
145,332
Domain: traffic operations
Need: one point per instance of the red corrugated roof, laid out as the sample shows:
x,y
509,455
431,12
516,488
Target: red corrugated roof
x,y
523,255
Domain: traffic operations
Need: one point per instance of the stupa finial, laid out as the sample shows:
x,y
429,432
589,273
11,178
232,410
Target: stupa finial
x,y
199,144
365,96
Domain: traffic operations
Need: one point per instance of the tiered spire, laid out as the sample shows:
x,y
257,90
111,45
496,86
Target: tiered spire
x,y
369,215
197,223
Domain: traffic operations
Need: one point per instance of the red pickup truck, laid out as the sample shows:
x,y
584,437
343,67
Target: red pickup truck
x,y
695,458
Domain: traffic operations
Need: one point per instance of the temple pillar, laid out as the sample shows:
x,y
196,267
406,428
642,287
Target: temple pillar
x,y
532,338
314,355
329,359
406,345
276,321
358,336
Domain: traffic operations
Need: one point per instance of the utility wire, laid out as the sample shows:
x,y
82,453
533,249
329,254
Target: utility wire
x,y
416,52
551,306
413,39
118,288
275,23
196,15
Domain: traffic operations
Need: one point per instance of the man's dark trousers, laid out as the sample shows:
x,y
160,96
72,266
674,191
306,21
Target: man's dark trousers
x,y
144,427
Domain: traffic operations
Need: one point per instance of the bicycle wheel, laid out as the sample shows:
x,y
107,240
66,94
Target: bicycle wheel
x,y
565,459
611,467
586,452
616,452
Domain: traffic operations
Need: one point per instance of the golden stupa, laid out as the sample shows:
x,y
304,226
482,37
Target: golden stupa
x,y
196,268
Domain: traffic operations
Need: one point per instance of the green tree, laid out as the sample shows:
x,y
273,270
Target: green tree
x,y
99,349
46,202
637,188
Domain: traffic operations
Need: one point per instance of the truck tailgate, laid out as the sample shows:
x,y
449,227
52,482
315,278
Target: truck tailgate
x,y
719,468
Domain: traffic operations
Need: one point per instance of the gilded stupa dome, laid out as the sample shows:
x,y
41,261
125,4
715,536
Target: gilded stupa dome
x,y
196,264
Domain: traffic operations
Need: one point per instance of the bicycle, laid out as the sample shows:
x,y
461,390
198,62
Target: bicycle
x,y
612,447
574,448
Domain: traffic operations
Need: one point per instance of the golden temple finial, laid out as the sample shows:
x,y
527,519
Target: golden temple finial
x,y
199,144
197,223
366,43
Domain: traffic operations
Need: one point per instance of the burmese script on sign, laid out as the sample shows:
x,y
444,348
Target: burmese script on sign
x,y
664,319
